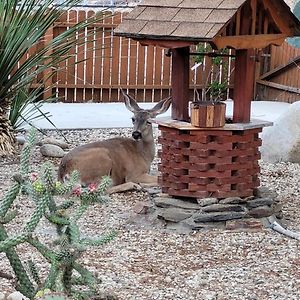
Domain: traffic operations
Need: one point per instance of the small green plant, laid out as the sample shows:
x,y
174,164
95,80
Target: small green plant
x,y
43,189
216,85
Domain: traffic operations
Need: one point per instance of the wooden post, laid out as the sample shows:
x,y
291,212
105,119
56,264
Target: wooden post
x,y
180,83
243,85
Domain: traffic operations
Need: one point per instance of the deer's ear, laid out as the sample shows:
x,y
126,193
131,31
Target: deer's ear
x,y
130,103
161,107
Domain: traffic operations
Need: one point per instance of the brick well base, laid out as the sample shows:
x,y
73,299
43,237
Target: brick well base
x,y
209,163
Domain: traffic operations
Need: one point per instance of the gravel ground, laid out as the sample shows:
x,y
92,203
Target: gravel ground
x,y
145,261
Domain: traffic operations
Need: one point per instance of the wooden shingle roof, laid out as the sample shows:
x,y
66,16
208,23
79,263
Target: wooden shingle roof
x,y
203,20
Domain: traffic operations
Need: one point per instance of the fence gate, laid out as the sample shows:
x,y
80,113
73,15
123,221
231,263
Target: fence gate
x,y
279,78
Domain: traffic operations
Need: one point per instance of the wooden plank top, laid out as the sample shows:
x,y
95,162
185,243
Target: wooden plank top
x,y
168,122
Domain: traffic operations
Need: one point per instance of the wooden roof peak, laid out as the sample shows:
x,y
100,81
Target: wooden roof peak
x,y
221,22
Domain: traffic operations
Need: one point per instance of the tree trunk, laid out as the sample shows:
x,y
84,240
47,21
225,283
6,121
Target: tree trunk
x,y
7,139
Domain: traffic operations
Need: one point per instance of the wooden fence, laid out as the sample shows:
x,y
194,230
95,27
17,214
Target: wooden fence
x,y
279,78
105,63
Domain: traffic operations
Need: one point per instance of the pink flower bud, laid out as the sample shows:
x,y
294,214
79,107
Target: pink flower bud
x,y
34,176
92,187
77,191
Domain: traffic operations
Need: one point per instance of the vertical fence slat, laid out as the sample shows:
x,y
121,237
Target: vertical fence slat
x,y
70,97
157,80
115,61
61,75
149,72
132,66
107,58
89,60
141,71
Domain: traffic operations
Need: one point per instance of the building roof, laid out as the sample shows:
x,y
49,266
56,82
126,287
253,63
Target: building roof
x,y
195,20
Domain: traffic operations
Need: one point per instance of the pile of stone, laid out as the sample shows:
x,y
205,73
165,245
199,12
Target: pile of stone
x,y
228,213
49,146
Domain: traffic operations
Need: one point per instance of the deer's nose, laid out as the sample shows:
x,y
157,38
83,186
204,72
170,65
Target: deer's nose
x,y
136,135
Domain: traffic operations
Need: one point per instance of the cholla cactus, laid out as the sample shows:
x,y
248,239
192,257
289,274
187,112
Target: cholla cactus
x,y
43,189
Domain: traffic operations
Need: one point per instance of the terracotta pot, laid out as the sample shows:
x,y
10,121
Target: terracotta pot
x,y
208,114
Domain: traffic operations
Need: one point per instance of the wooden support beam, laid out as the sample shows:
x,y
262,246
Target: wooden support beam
x,y
253,5
180,84
249,41
281,69
243,85
279,16
279,86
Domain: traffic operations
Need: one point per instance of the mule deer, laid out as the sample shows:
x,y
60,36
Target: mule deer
x,y
126,160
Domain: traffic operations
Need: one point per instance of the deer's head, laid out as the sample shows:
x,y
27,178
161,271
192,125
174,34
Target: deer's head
x,y
142,127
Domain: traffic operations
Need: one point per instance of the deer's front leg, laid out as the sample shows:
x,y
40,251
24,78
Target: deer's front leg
x,y
146,180
124,187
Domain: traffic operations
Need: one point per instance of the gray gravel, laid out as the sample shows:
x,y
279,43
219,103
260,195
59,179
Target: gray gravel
x,y
147,262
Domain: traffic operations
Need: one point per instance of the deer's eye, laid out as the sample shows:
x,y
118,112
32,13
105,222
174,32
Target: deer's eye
x,y
133,120
149,123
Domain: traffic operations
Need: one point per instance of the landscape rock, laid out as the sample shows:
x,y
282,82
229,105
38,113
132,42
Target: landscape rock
x,y
281,142
20,138
2,296
244,224
49,140
277,210
174,214
207,201
50,150
232,200
203,225
261,211
153,191
259,202
142,208
173,202
263,192
218,216
223,207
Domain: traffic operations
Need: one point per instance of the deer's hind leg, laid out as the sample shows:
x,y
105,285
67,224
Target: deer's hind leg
x,y
93,166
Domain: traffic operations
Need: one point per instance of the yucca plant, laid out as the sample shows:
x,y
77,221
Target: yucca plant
x,y
23,24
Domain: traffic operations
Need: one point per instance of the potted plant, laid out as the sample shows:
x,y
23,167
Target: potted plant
x,y
209,109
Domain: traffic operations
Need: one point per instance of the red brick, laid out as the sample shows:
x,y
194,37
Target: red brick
x,y
193,187
178,185
215,188
211,146
210,174
243,186
211,132
202,167
209,159
187,193
234,166
254,144
233,180
236,152
236,138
